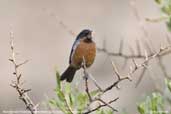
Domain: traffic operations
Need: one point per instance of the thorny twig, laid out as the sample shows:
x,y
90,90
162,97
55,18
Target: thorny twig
x,y
146,35
163,68
100,106
148,48
120,77
97,98
150,54
17,84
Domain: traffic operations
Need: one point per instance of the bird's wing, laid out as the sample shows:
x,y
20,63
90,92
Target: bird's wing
x,y
74,46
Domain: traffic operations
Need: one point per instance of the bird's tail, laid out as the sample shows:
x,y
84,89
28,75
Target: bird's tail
x,y
69,73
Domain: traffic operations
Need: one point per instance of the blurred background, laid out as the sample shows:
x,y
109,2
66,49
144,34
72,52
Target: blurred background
x,y
42,33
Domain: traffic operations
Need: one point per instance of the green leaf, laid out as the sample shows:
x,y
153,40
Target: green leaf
x,y
154,102
82,100
52,102
67,88
100,111
71,103
58,80
158,1
104,111
166,10
141,108
60,94
109,111
168,84
168,23
58,104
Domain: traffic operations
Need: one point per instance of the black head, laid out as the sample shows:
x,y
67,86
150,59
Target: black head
x,y
85,34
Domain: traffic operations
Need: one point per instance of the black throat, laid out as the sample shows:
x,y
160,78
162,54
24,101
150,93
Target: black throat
x,y
88,40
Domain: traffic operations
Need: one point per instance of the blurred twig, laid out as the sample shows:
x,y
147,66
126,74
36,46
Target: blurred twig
x,y
17,84
101,106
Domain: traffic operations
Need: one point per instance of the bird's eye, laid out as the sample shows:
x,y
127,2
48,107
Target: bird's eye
x,y
86,34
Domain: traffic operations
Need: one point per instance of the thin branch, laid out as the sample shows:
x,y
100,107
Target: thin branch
x,y
140,77
97,98
120,77
86,80
108,105
163,68
119,54
101,106
22,92
136,67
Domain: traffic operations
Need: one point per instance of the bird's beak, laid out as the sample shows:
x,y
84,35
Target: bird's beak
x,y
90,36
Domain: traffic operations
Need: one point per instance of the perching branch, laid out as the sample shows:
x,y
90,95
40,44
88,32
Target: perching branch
x,y
97,98
120,78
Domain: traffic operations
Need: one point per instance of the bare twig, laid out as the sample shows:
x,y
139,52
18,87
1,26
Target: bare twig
x,y
120,78
97,98
119,54
17,84
136,66
163,68
86,80
140,77
108,104
101,106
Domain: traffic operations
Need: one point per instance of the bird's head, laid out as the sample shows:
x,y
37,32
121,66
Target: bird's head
x,y
85,34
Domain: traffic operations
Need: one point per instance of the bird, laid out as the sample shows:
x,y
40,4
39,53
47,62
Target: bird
x,y
83,50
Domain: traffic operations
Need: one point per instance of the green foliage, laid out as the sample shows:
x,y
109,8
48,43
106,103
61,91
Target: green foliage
x,y
155,103
165,6
70,99
168,84
158,1
102,111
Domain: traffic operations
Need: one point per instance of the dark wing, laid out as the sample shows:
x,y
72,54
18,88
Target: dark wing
x,y
77,41
74,46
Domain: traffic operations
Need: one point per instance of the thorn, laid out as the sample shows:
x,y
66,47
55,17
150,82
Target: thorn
x,y
14,73
138,47
11,60
117,86
129,77
26,90
115,70
146,55
132,50
19,77
168,39
135,64
121,46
